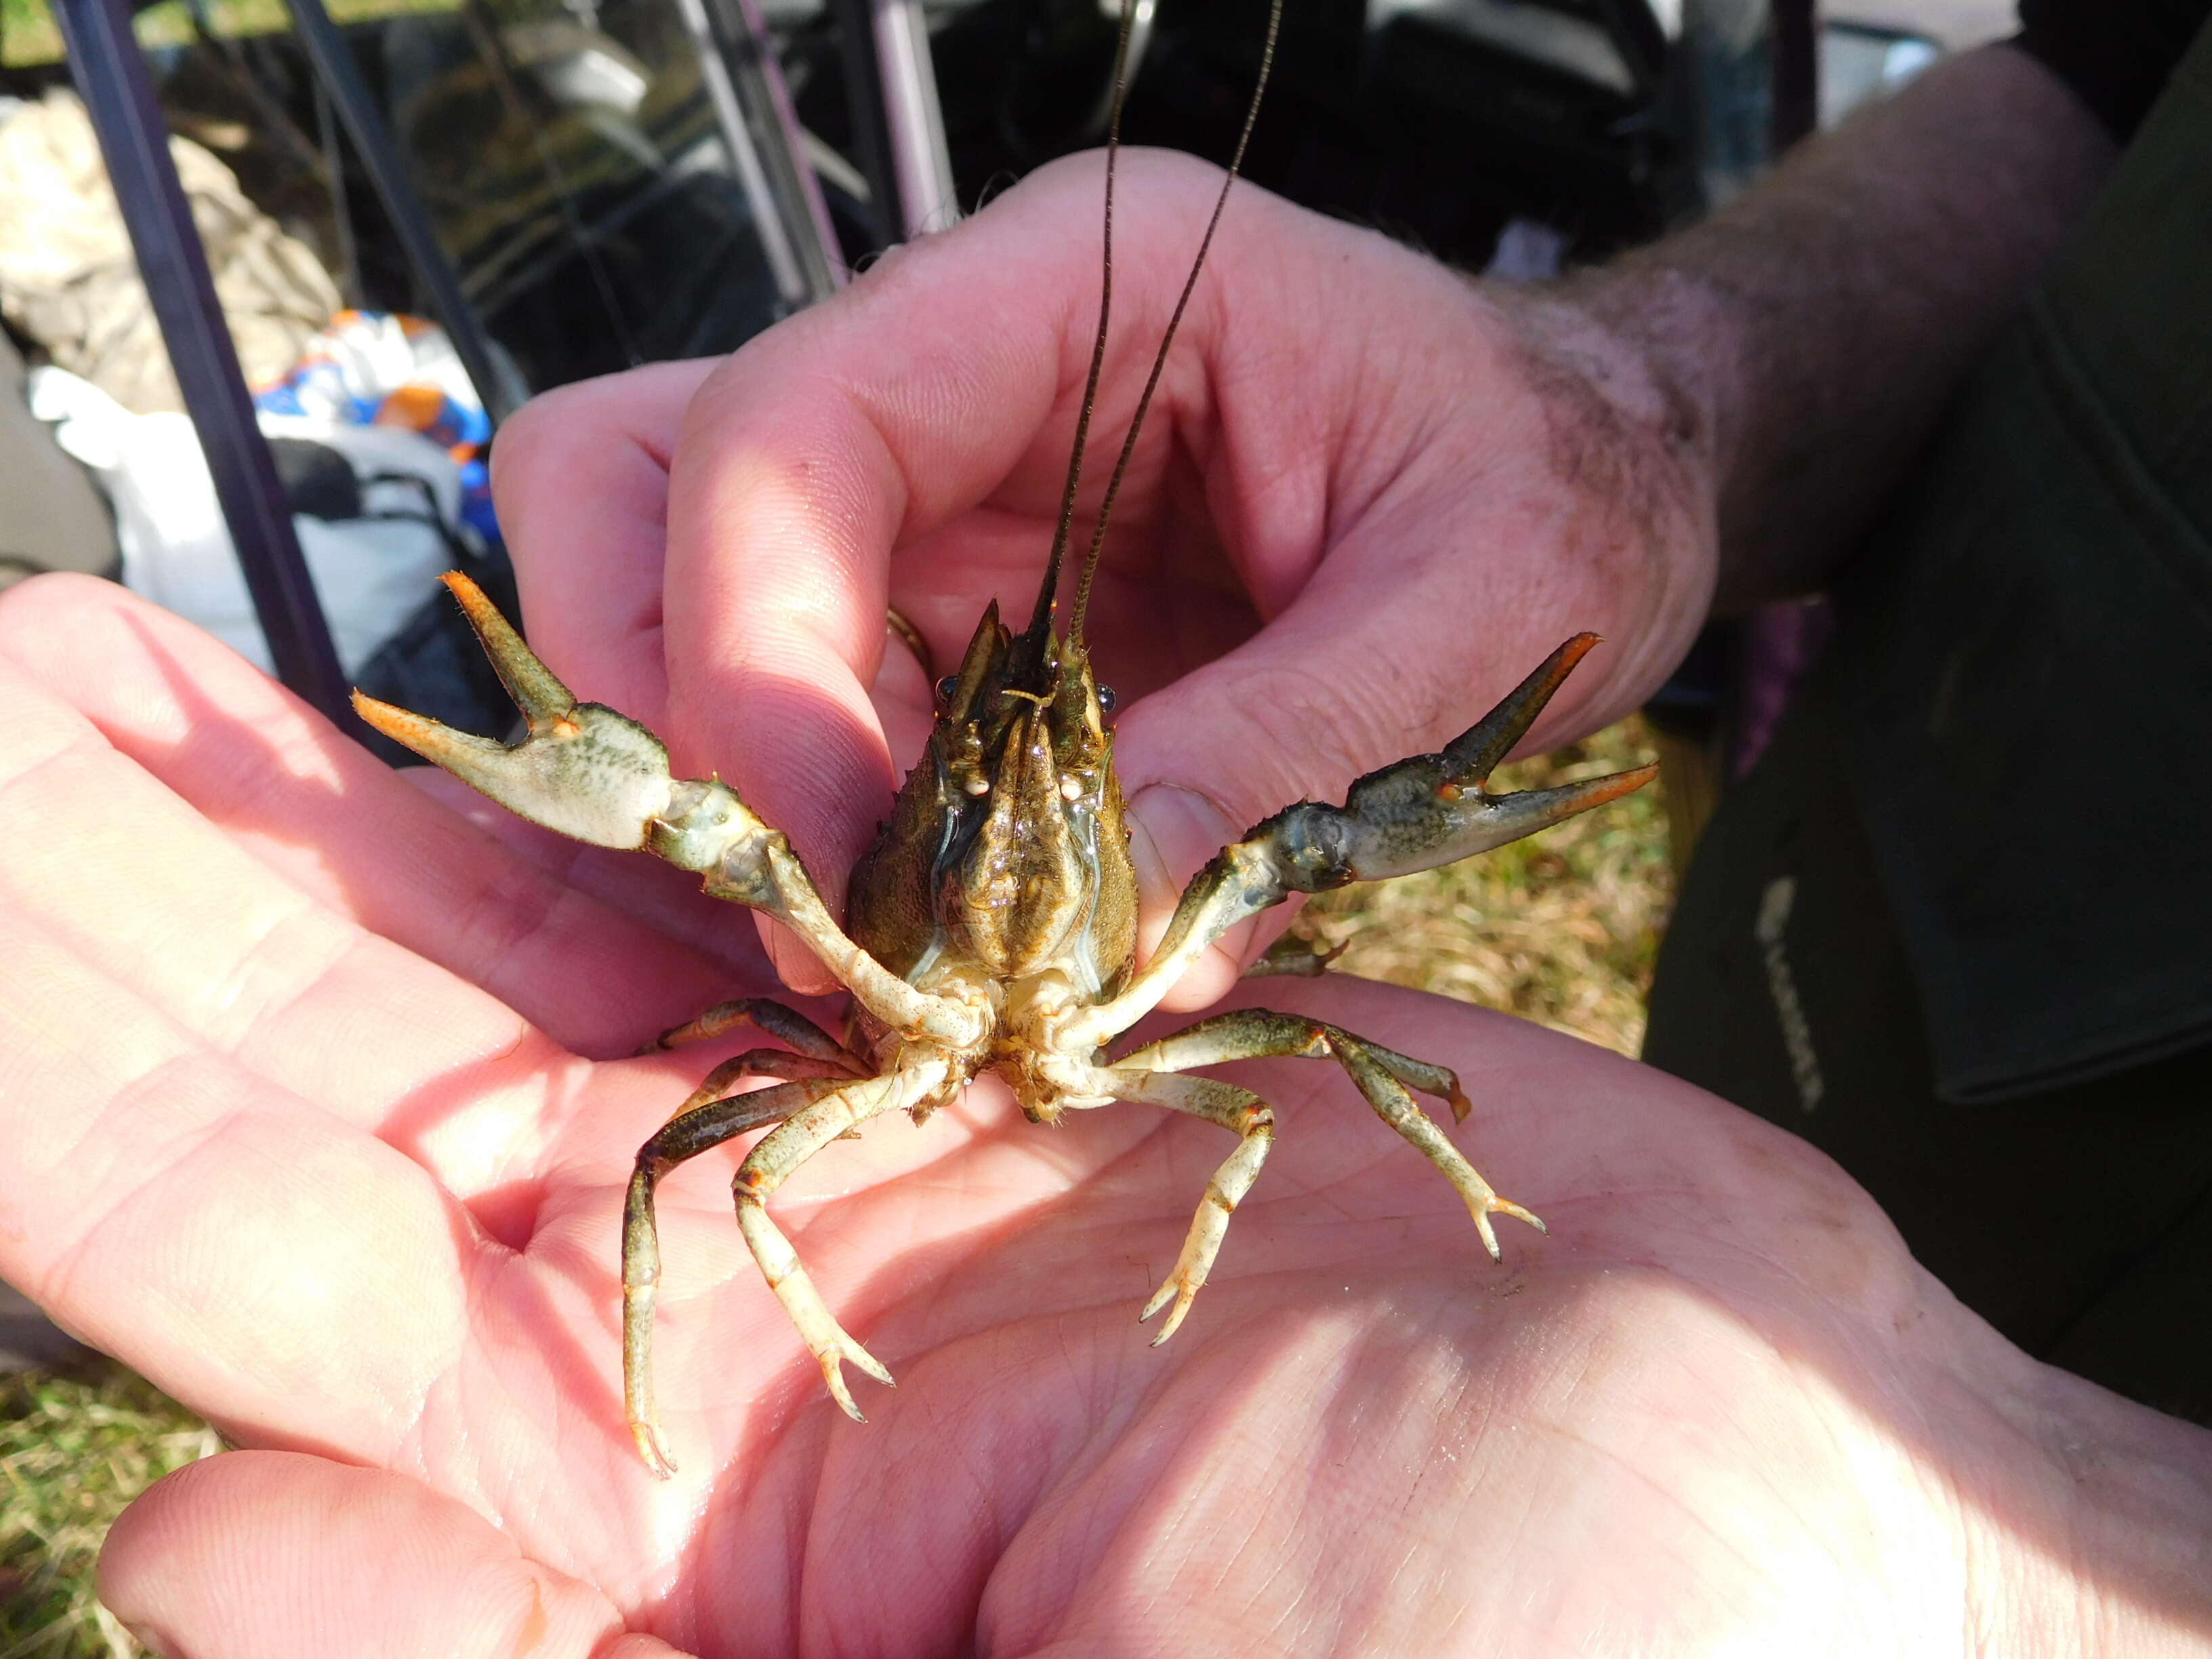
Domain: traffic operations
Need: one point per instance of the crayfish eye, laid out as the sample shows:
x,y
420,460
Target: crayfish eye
x,y
946,687
1107,700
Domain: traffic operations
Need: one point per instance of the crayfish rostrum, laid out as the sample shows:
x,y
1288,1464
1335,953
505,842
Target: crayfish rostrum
x,y
991,927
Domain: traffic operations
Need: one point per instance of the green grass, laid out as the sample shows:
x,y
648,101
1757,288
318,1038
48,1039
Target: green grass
x,y
1561,929
75,1449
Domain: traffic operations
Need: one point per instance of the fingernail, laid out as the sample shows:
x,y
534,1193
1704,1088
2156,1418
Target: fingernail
x,y
1174,830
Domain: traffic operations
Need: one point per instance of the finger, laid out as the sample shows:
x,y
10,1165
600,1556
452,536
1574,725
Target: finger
x,y
278,1554
112,853
580,474
1372,660
1316,699
945,376
116,889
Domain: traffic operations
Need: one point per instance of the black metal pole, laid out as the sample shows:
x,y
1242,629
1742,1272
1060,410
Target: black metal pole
x,y
864,98
1795,111
111,76
403,205
757,61
758,84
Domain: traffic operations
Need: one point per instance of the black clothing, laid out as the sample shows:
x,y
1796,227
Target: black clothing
x,y
1957,926
2077,1221
2114,54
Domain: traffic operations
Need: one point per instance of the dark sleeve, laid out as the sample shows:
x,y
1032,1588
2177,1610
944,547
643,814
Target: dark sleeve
x,y
2114,54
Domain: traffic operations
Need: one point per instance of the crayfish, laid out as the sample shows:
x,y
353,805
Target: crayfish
x,y
992,926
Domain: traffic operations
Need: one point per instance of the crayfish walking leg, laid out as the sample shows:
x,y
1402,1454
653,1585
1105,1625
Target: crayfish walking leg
x,y
1384,1077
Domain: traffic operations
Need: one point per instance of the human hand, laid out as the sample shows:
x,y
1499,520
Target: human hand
x,y
293,1122
1371,497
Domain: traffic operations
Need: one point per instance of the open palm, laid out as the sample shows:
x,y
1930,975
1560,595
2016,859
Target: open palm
x,y
294,1121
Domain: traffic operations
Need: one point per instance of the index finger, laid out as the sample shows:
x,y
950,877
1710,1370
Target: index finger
x,y
580,474
948,376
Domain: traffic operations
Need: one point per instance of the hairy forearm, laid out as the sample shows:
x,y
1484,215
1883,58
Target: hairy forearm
x,y
1821,322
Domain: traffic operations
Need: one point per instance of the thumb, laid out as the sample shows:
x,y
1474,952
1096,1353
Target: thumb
x,y
1205,759
282,1553
1175,827
1317,699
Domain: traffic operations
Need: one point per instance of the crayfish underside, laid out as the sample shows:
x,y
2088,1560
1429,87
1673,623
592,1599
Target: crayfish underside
x,y
991,927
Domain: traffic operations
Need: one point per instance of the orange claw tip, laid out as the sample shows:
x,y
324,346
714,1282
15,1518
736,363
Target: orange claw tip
x,y
484,616
400,725
1578,647
1562,662
1598,790
1540,687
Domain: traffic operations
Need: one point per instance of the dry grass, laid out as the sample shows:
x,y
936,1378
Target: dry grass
x,y
1561,929
73,1449
28,34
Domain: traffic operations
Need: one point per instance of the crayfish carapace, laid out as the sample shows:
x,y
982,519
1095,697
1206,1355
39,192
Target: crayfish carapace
x,y
991,927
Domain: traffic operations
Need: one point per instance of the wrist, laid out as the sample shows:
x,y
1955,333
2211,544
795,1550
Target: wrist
x,y
1634,445
2099,1540
1821,323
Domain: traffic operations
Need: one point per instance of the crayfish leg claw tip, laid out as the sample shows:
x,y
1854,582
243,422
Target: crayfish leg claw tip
x,y
653,1450
1507,1207
873,1366
1177,1292
846,1404
1489,1238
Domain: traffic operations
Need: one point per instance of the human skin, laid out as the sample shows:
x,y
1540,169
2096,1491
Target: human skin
x,y
298,1125
300,1121
1371,495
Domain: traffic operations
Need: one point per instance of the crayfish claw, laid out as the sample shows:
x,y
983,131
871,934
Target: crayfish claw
x,y
1430,809
1482,748
1507,1207
543,701
1487,1204
584,770
1294,958
833,1373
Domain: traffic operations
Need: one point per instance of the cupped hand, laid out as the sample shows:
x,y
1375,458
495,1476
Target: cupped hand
x,y
292,1119
1369,497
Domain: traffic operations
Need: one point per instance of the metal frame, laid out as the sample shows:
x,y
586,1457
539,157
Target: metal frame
x,y
118,95
752,110
387,174
890,87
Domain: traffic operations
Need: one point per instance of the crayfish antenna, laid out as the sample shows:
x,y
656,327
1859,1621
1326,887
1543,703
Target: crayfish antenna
x,y
1082,605
1032,647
